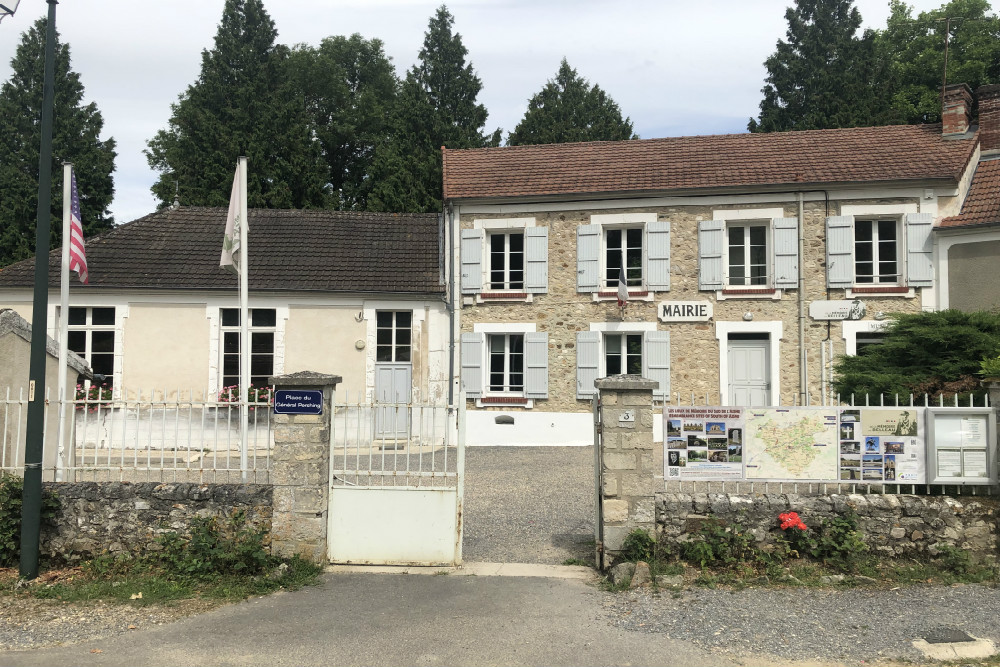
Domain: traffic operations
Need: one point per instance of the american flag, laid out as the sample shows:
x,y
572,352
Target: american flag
x,y
77,253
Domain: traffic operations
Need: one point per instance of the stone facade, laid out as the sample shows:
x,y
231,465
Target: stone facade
x,y
121,517
892,525
562,311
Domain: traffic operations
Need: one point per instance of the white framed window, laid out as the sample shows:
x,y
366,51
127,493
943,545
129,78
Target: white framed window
x,y
859,334
876,251
638,240
505,364
748,254
879,248
92,334
262,333
393,335
622,354
506,261
619,348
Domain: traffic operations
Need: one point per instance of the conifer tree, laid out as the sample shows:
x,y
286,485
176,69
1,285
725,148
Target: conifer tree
x,y
243,103
568,108
76,131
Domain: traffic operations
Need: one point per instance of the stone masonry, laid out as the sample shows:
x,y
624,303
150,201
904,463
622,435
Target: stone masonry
x,y
628,461
299,472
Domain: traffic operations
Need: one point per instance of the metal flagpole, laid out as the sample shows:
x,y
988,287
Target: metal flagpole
x,y
244,321
64,315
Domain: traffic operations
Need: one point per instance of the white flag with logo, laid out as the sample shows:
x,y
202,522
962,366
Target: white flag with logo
x,y
231,243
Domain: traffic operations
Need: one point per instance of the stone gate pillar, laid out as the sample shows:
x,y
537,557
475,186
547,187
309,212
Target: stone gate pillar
x,y
300,465
628,464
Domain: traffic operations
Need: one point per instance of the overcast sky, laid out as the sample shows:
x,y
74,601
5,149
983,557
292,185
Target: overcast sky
x,y
676,68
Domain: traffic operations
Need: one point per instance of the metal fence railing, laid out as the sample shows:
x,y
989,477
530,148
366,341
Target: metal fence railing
x,y
139,436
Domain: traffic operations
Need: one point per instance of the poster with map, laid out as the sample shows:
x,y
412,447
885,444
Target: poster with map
x,y
794,444
702,443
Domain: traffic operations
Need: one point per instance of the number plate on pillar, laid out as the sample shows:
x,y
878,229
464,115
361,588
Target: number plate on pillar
x,y
627,417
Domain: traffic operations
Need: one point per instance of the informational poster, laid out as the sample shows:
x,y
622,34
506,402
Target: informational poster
x,y
702,443
881,445
961,446
794,444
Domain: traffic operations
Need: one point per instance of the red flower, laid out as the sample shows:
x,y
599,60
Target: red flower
x,y
791,520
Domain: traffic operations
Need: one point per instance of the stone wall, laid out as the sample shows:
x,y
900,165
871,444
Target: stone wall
x,y
892,525
122,517
562,311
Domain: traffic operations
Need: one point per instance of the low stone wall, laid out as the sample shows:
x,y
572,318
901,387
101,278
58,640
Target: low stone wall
x,y
123,517
893,525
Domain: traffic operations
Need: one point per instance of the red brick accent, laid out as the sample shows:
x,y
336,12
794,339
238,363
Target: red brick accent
x,y
956,109
503,400
750,290
880,290
504,295
989,116
631,293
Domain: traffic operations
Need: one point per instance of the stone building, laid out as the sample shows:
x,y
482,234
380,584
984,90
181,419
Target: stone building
x,y
750,259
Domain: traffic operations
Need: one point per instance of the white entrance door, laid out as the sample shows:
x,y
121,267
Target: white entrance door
x,y
392,386
749,372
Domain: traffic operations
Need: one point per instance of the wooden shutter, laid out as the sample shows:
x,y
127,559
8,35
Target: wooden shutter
x,y
588,258
472,261
840,251
656,361
786,252
658,256
536,364
919,250
536,260
711,245
588,361
472,364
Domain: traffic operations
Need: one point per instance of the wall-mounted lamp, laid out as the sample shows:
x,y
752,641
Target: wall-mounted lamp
x,y
359,344
747,316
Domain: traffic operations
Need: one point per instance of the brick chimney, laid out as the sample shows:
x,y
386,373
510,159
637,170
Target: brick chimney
x,y
989,117
956,110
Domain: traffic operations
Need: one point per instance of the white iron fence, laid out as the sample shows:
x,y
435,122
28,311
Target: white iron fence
x,y
139,436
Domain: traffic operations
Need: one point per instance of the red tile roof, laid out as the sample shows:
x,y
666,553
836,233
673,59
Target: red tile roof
x,y
982,204
852,155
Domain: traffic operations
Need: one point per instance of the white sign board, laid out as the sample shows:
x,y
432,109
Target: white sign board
x,y
837,310
684,311
702,443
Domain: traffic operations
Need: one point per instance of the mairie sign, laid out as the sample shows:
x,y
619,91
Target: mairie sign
x,y
684,311
298,402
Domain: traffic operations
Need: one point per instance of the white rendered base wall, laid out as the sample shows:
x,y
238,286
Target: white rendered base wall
x,y
533,429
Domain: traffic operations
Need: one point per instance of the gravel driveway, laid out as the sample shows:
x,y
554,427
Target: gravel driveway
x,y
529,504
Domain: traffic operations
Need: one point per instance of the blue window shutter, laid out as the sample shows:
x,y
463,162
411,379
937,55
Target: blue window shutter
x,y
840,251
786,252
711,245
919,250
658,256
472,364
588,361
588,257
536,364
656,361
472,261
536,260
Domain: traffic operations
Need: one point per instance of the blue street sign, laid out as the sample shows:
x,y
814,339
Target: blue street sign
x,y
298,402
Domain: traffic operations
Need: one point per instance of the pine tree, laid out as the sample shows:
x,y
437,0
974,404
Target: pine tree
x,y
915,48
76,131
823,76
436,107
243,103
350,87
568,108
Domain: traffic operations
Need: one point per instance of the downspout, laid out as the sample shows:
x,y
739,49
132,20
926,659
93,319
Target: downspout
x,y
449,237
803,357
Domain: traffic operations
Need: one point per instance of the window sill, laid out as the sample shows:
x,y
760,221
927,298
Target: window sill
x,y
504,401
748,293
890,291
504,295
633,295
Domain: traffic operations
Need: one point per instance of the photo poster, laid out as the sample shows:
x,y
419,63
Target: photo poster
x,y
881,445
704,443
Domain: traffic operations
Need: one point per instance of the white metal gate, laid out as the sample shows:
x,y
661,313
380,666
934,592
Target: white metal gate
x,y
396,498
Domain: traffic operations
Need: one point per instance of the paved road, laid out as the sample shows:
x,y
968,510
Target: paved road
x,y
529,504
380,619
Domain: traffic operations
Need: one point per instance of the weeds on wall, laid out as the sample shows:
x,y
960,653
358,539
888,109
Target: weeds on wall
x,y
11,492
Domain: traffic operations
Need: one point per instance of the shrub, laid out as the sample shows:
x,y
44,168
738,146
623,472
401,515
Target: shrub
x,y
216,548
638,546
11,493
716,544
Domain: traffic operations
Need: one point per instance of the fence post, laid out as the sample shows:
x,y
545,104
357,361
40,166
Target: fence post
x,y
300,464
629,464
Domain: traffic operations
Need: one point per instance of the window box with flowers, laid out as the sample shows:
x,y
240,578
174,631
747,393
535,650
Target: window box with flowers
x,y
93,397
259,400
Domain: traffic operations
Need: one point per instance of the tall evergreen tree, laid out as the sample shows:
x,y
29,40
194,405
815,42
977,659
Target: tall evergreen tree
x,y
350,87
243,103
436,107
823,75
568,108
915,48
76,131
